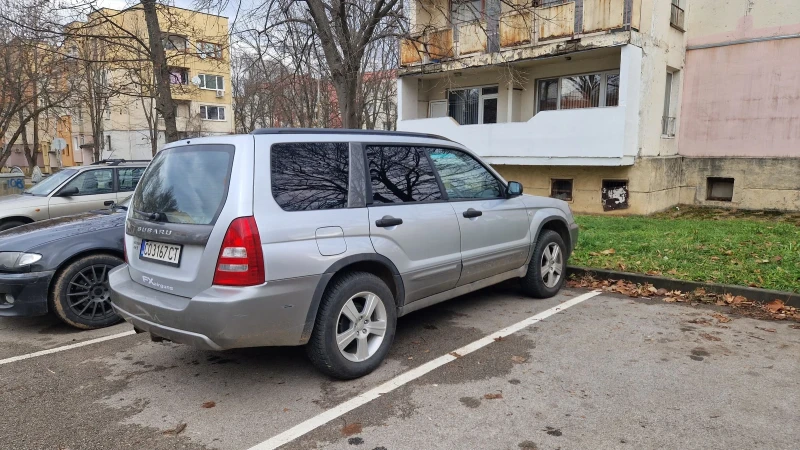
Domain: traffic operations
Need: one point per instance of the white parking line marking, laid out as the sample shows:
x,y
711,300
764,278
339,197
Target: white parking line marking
x,y
66,347
362,399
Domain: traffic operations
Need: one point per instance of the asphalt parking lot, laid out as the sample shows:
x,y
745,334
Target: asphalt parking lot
x,y
607,372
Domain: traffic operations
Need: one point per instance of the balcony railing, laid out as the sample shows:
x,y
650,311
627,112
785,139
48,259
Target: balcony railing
x,y
676,16
544,21
668,126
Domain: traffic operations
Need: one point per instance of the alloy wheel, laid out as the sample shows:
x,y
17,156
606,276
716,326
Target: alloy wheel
x,y
88,294
361,326
552,265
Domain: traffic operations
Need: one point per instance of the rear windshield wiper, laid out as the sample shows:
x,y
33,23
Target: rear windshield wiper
x,y
157,216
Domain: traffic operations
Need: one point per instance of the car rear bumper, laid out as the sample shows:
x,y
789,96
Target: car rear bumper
x,y
29,291
220,317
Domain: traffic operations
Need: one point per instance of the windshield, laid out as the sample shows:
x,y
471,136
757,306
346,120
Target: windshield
x,y
185,185
46,186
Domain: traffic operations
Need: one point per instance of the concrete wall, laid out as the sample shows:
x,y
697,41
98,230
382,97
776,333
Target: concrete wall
x,y
759,183
653,184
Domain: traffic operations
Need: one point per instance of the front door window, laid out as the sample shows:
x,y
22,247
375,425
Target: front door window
x,y
93,182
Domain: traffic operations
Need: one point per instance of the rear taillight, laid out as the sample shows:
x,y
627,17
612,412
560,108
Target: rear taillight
x,y
240,261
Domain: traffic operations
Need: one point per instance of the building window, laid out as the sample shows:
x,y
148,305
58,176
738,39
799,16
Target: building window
x,y
465,10
578,91
108,143
720,189
174,42
676,16
548,3
473,105
209,50
178,75
212,113
561,189
212,82
668,119
614,195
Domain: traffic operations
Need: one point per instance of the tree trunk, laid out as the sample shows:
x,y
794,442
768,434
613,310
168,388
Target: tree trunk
x,y
165,104
346,90
30,155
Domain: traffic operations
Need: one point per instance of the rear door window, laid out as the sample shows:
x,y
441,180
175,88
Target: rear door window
x,y
400,175
185,185
310,175
128,178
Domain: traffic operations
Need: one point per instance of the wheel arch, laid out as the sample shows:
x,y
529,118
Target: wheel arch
x,y
557,223
373,263
24,219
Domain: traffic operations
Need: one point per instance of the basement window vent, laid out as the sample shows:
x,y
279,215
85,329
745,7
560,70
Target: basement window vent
x,y
561,189
614,195
720,189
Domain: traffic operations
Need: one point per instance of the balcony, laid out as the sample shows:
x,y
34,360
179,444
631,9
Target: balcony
x,y
442,32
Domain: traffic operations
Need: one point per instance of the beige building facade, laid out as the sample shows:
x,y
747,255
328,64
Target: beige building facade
x,y
197,50
586,100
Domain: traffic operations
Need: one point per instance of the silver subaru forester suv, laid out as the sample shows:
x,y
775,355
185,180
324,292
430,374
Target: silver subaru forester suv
x,y
324,238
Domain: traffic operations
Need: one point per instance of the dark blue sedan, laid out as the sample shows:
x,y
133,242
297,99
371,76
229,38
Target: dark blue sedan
x,y
61,266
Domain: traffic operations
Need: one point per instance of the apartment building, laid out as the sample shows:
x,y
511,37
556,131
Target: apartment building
x,y
197,51
617,106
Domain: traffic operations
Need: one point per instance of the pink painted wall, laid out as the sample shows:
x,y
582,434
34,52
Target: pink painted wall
x,y
742,100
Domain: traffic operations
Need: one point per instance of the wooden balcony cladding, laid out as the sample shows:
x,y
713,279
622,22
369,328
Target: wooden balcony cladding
x,y
411,50
602,15
440,43
556,21
472,37
515,28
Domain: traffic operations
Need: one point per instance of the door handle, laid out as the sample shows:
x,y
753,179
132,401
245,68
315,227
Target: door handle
x,y
470,213
388,221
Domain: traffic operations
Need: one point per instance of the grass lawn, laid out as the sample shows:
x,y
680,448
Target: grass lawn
x,y
751,249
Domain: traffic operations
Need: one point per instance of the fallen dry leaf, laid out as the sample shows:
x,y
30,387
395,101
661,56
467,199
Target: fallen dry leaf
x,y
455,354
709,337
769,330
609,251
721,318
498,338
715,258
777,258
774,306
351,429
622,267
209,404
519,359
492,396
177,430
703,322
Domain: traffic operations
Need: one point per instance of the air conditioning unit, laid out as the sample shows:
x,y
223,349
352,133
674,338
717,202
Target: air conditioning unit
x,y
220,94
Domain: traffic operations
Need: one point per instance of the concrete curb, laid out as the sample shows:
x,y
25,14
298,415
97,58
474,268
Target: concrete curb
x,y
760,295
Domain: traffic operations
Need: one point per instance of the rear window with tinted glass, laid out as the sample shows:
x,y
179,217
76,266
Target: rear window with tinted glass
x,y
310,175
185,185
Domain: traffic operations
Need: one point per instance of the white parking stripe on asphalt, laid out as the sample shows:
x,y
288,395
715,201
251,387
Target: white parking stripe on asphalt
x,y
362,399
65,347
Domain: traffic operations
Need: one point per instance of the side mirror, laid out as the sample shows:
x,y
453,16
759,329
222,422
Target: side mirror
x,y
514,189
69,192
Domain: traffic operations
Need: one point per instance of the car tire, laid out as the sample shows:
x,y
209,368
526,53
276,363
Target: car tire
x,y
10,224
87,274
543,279
363,348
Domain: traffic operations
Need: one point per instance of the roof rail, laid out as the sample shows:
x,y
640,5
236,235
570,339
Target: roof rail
x,y
346,131
116,162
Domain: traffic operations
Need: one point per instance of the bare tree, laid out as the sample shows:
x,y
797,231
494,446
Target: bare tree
x,y
32,77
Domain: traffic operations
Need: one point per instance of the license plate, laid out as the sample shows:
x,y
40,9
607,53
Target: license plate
x,y
160,252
